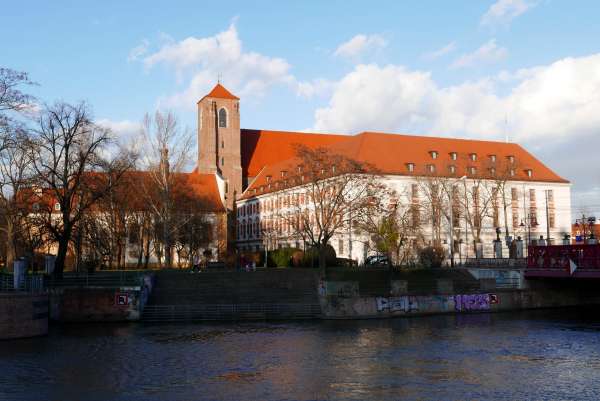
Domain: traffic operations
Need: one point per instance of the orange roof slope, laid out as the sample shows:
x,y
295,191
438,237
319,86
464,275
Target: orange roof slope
x,y
262,147
205,187
390,154
220,92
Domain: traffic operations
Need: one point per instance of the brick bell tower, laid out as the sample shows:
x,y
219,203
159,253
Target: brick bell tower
x,y
219,140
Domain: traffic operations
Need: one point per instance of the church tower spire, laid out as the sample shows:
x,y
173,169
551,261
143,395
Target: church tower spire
x,y
219,139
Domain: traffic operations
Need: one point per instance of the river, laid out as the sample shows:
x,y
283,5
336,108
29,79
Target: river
x,y
545,355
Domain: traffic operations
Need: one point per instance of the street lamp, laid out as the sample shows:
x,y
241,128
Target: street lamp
x,y
530,223
586,223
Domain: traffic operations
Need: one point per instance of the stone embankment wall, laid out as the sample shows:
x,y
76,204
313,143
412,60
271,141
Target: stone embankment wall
x,y
342,300
23,315
100,304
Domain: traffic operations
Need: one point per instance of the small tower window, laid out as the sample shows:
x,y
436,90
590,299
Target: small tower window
x,y
223,118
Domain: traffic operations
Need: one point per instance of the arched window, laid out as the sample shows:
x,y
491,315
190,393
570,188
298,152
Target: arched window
x,y
222,118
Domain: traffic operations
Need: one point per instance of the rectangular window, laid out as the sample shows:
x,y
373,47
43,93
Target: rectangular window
x,y
514,206
551,214
532,207
340,247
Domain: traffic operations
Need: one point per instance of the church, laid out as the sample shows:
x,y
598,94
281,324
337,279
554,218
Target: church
x,y
245,162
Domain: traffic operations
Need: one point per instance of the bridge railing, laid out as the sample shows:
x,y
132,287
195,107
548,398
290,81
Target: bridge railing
x,y
561,256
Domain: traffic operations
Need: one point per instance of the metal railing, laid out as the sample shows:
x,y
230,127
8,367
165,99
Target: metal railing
x,y
495,263
120,278
30,283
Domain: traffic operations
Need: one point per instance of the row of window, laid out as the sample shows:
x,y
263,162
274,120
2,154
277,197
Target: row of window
x,y
268,205
471,170
472,156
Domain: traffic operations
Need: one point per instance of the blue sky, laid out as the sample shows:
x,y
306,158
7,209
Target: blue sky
x,y
478,69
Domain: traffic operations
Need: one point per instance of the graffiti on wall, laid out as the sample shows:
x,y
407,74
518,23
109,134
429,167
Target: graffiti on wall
x,y
397,304
474,302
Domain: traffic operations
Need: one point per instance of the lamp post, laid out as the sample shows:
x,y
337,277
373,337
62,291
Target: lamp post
x,y
530,223
586,223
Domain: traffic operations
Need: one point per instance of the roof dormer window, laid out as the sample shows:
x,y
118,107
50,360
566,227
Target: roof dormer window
x,y
511,159
269,178
283,173
493,158
512,172
492,171
529,172
472,170
453,155
431,168
410,167
452,169
473,156
434,154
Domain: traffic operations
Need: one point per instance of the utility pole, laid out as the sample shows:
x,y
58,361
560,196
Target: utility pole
x,y
547,219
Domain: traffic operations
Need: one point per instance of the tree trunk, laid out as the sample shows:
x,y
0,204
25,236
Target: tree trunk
x,y
10,245
322,258
61,256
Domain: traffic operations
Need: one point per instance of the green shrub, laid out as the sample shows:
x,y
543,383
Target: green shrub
x,y
284,257
432,256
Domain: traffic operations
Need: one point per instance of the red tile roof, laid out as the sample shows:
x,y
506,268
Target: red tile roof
x,y
260,148
220,92
391,153
135,187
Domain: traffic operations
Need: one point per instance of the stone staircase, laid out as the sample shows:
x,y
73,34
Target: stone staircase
x,y
233,295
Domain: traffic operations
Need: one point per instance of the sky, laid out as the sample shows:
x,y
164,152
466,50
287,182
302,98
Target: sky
x,y
523,70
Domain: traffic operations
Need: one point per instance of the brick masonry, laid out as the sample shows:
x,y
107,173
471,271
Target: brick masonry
x,y
23,315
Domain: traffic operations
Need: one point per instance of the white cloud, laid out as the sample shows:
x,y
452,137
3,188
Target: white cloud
x,y
317,87
138,51
488,53
123,131
551,109
359,45
203,60
504,11
449,48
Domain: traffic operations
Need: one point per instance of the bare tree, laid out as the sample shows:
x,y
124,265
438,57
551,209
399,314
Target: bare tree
x,y
12,98
14,163
15,176
331,190
66,153
388,221
164,154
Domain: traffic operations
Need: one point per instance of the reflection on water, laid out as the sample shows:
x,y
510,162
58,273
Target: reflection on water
x,y
534,355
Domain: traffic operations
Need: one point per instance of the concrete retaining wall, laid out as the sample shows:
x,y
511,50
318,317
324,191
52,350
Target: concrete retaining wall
x,y
23,315
91,304
335,307
100,304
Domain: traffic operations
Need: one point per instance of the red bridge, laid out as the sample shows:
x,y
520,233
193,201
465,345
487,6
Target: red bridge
x,y
577,261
